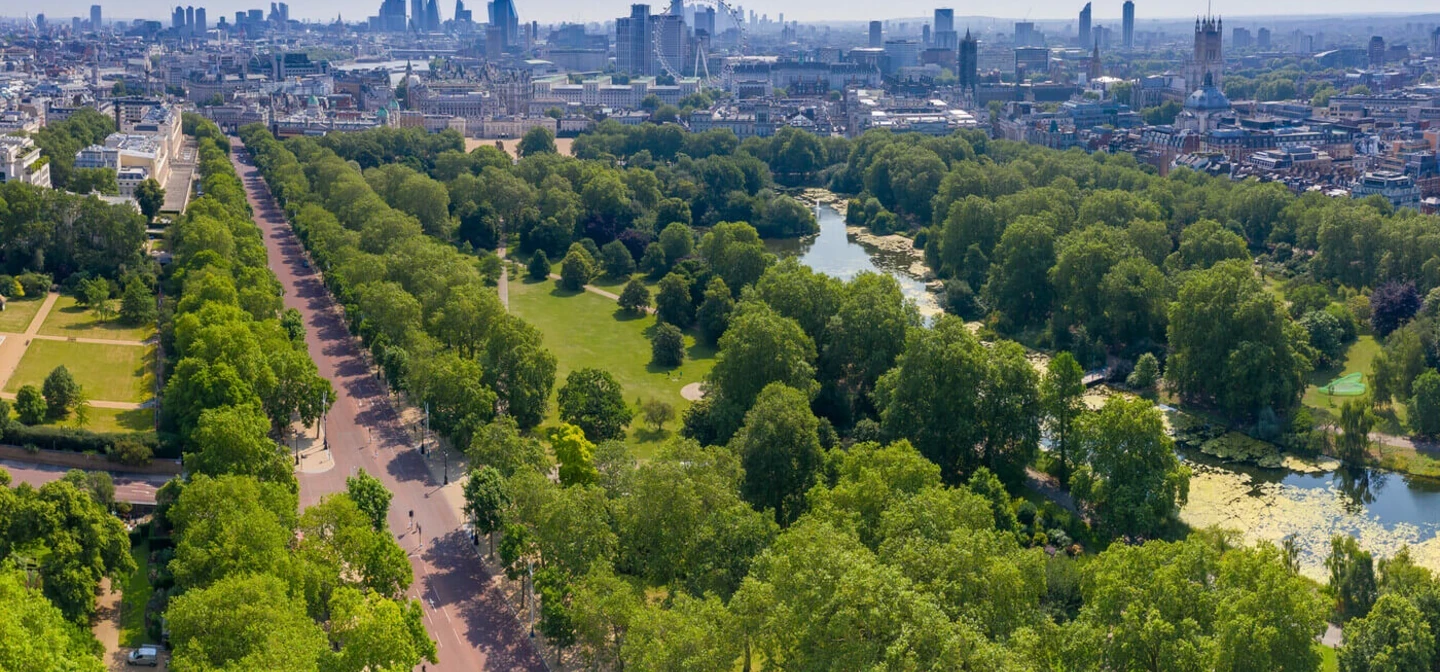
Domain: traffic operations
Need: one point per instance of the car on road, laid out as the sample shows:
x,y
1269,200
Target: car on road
x,y
145,655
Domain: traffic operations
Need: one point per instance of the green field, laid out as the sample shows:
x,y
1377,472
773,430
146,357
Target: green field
x,y
587,330
106,372
1358,358
68,319
18,313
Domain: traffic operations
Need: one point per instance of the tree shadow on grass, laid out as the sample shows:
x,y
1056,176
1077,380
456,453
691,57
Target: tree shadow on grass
x,y
559,291
623,315
648,435
136,419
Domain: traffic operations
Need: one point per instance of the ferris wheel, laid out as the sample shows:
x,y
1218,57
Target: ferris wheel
x,y
726,37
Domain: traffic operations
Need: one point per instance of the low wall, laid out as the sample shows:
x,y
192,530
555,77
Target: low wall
x,y
61,458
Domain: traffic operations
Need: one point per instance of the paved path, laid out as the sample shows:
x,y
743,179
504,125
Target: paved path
x,y
96,403
605,293
129,487
464,611
97,341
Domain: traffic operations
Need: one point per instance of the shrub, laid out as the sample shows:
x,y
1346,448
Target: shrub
x,y
30,405
576,270
34,284
539,268
1147,371
131,452
635,297
77,440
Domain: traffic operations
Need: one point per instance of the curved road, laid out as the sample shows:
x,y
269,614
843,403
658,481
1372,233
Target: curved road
x,y
464,612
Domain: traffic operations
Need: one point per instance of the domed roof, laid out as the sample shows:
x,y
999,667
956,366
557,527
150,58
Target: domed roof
x,y
382,113
1207,98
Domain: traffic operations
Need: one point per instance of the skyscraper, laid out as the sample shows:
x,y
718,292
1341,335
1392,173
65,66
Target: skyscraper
x,y
417,16
1084,35
392,16
95,18
1262,38
875,38
177,18
1377,52
1127,24
503,16
944,36
1025,34
432,16
189,19
969,62
200,24
634,42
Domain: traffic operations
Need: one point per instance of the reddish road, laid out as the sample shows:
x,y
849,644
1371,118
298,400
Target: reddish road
x,y
464,612
133,488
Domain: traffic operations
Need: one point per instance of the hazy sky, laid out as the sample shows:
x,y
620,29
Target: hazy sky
x,y
549,11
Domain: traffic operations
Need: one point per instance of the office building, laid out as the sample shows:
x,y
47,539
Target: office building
x,y
634,42
503,16
705,20
1377,52
177,18
95,18
432,16
1262,39
200,24
463,16
968,67
900,54
392,17
875,39
189,19
1127,21
944,35
1240,38
1084,39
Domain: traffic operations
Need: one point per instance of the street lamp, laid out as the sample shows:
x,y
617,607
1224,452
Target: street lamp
x,y
447,466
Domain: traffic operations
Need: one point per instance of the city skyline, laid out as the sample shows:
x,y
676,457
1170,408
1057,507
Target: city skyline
x,y
843,11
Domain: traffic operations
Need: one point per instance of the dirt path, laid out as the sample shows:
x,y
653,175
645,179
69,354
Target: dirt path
x,y
12,349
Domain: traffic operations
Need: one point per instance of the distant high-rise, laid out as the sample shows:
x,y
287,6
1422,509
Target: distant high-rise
x,y
1084,34
284,13
1240,38
1435,41
1377,52
875,38
95,18
177,18
1127,25
392,16
944,36
1262,39
1025,35
462,15
705,20
432,16
503,16
200,23
190,18
634,42
417,16
968,64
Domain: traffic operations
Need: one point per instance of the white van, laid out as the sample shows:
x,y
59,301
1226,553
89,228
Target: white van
x,y
145,655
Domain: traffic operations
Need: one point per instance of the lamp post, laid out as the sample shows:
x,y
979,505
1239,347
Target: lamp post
x,y
446,454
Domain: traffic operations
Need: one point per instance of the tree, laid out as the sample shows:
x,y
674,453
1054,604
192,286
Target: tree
x,y
677,241
653,261
487,497
1391,638
369,631
617,260
603,605
1131,478
235,440
1019,285
151,197
1391,305
520,370
92,292
691,634
576,269
371,496
576,455
667,346
1232,343
714,313
539,267
657,413
758,349
1425,404
594,402
537,140
30,405
635,298
1062,395
672,303
137,306
248,621
1146,373
61,392
1352,578
37,634
1356,421
780,451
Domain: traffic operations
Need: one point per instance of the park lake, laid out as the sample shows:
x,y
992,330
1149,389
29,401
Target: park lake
x,y
1385,511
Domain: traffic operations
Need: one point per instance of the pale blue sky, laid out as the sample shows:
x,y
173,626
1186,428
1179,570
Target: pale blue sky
x,y
549,11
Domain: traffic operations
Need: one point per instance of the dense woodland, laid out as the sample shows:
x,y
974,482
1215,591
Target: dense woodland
x,y
844,496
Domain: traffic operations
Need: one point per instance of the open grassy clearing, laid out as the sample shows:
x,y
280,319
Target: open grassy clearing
x,y
584,329
68,319
18,313
106,372
135,594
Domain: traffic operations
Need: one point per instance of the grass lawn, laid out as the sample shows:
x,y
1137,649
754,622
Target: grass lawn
x,y
1358,358
68,319
109,420
135,594
1328,661
584,329
18,313
106,372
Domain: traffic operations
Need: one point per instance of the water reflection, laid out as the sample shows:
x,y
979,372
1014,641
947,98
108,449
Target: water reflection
x,y
837,253
1383,510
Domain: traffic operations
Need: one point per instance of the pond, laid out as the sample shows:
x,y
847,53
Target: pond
x,y
1383,510
843,254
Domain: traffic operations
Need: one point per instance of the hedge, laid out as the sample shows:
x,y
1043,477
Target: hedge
x,y
78,440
